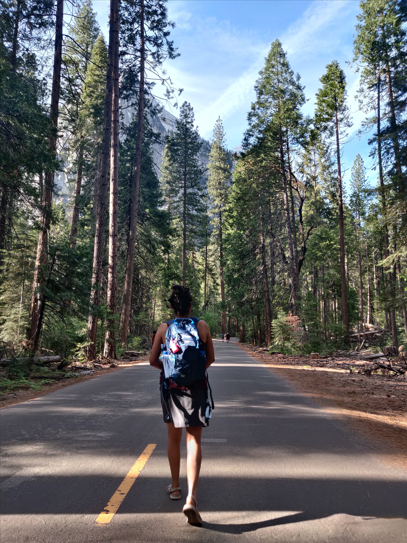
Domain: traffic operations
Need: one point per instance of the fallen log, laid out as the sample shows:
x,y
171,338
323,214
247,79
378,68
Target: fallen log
x,y
36,359
372,356
57,377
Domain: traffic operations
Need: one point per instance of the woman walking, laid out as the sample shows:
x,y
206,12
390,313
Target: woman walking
x,y
184,406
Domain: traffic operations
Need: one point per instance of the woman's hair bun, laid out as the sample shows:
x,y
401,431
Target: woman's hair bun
x,y
180,299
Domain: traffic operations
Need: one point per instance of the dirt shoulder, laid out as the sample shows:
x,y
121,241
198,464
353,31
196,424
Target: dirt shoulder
x,y
375,406
24,395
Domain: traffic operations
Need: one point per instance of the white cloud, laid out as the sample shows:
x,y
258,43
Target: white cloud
x,y
307,36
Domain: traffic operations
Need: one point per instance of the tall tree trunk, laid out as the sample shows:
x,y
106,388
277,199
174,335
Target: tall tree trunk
x,y
266,294
361,315
376,290
369,295
242,333
4,201
101,189
293,271
254,330
272,264
290,188
184,228
259,334
78,187
325,305
344,294
41,260
403,304
110,338
222,282
391,312
206,264
131,242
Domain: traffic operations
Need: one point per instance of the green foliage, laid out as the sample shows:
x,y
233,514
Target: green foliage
x,y
286,333
7,385
19,368
213,320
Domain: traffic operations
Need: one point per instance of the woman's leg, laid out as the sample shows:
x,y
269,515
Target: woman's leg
x,y
194,459
174,454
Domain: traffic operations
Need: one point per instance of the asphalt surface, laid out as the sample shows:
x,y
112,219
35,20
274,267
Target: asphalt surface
x,y
276,467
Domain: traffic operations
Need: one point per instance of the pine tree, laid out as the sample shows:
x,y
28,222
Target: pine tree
x,y
186,176
91,128
101,185
146,41
24,127
110,339
275,123
77,59
37,299
358,204
380,48
219,181
332,117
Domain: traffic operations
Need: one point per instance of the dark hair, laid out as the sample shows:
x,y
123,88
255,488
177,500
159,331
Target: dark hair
x,y
180,299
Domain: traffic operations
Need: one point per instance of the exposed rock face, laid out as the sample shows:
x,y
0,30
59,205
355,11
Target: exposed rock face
x,y
164,123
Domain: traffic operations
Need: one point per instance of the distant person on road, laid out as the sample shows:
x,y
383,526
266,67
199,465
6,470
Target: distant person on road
x,y
222,337
184,406
227,337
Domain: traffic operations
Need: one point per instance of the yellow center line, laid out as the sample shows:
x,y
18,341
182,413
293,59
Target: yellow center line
x,y
116,500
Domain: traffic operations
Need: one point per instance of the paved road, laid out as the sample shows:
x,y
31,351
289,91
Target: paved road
x,y
276,467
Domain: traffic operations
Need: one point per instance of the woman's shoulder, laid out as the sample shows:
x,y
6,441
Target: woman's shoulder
x,y
203,329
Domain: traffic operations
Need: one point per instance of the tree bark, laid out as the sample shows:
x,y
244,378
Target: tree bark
x,y
272,263
100,208
206,263
391,312
376,292
110,338
361,315
131,242
293,271
4,201
222,282
344,294
78,187
184,227
266,294
290,188
403,305
242,333
41,260
369,295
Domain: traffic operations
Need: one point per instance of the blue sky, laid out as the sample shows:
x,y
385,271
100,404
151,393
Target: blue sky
x,y
223,43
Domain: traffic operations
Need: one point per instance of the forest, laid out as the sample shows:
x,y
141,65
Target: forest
x,y
100,212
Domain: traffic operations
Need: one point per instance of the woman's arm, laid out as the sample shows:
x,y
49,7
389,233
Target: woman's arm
x,y
205,335
156,348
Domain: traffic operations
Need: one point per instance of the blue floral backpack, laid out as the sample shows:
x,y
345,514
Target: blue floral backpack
x,y
183,356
